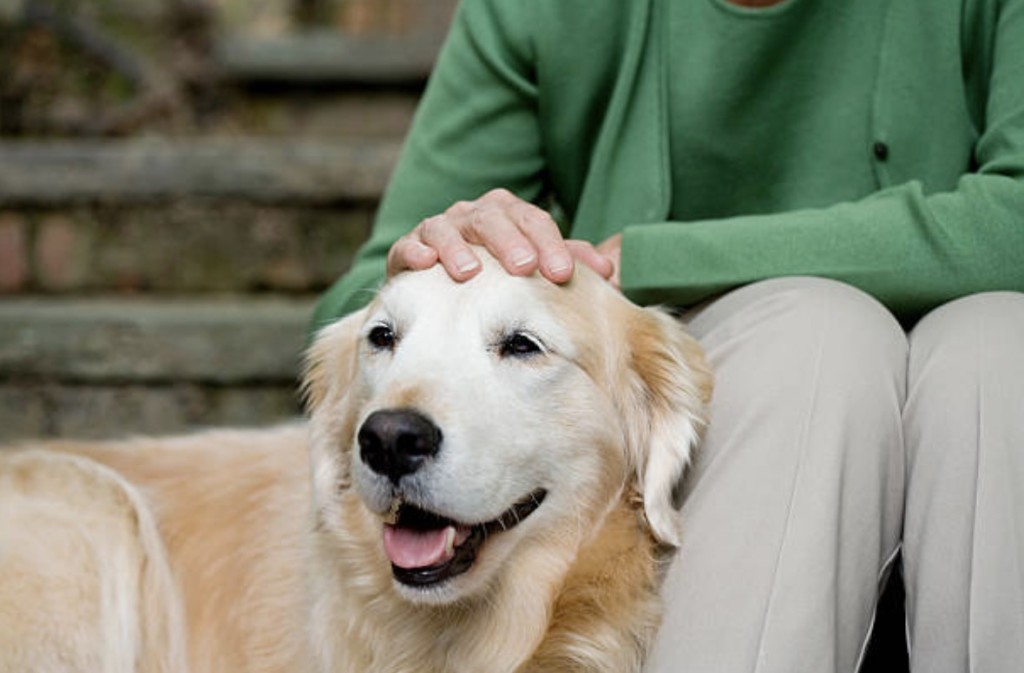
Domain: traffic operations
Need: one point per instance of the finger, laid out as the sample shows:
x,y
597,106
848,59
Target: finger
x,y
410,253
441,234
495,229
555,258
499,197
611,250
587,254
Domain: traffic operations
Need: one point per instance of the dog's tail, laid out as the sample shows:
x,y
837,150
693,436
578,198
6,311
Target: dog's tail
x,y
85,583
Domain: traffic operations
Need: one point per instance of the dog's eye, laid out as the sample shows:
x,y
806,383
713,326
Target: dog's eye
x,y
381,337
518,345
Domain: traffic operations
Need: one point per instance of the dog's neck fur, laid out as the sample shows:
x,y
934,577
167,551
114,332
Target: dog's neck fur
x,y
593,589
608,608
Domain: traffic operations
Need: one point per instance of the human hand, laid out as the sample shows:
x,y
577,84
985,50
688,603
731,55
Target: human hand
x,y
523,237
611,250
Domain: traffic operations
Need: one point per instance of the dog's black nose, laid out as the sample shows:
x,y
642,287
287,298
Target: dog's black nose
x,y
397,442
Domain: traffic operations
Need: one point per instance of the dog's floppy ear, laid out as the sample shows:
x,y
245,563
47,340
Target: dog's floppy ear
x,y
330,362
665,407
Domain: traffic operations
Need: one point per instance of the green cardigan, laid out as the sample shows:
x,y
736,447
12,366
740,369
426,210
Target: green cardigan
x,y
569,101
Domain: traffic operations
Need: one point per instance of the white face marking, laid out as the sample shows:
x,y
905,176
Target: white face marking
x,y
495,370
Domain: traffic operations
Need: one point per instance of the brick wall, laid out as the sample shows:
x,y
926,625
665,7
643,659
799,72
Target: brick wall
x,y
163,237
179,248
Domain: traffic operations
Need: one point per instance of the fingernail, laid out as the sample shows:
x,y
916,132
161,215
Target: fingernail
x,y
466,262
522,257
559,264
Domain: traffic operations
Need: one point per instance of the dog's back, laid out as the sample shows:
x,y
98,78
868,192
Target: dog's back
x,y
84,578
108,551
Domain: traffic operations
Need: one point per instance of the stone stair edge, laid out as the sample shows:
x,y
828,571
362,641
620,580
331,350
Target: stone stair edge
x,y
326,57
215,341
258,169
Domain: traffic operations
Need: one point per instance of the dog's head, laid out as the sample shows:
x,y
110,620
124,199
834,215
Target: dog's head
x,y
467,423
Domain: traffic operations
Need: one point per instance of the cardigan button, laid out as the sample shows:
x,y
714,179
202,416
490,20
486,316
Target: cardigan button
x,y
880,150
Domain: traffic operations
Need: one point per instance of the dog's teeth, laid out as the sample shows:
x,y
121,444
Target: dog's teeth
x,y
449,540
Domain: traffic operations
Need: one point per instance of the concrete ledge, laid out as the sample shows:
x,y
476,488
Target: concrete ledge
x,y
328,58
88,411
227,341
257,170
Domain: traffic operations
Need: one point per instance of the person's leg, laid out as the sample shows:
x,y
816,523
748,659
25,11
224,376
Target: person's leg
x,y
964,526
792,509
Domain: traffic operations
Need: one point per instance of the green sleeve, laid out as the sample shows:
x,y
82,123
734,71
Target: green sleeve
x,y
909,249
476,128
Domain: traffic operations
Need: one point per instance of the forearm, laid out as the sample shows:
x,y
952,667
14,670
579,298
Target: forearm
x,y
911,251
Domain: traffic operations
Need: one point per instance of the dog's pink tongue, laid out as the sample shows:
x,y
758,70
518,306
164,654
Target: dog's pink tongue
x,y
407,548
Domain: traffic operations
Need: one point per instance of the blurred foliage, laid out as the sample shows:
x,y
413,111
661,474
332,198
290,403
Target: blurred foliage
x,y
101,67
114,67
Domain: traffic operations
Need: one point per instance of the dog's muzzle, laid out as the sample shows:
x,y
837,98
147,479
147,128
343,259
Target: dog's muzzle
x,y
425,548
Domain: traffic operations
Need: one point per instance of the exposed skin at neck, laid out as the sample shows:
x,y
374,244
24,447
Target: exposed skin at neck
x,y
755,3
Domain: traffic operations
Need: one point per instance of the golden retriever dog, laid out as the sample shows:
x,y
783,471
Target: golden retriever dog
x,y
485,484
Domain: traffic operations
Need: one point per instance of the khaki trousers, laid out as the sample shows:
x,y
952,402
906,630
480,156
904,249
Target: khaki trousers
x,y
837,439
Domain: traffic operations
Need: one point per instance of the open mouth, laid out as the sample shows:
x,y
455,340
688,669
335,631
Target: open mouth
x,y
426,549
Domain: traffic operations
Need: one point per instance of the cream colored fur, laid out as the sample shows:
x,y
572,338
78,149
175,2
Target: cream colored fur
x,y
260,550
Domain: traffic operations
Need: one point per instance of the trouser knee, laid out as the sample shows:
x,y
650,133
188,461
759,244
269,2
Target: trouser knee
x,y
795,350
965,355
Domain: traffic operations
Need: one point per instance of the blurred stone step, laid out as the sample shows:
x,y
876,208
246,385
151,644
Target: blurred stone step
x,y
330,114
222,341
258,170
328,58
86,410
188,246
